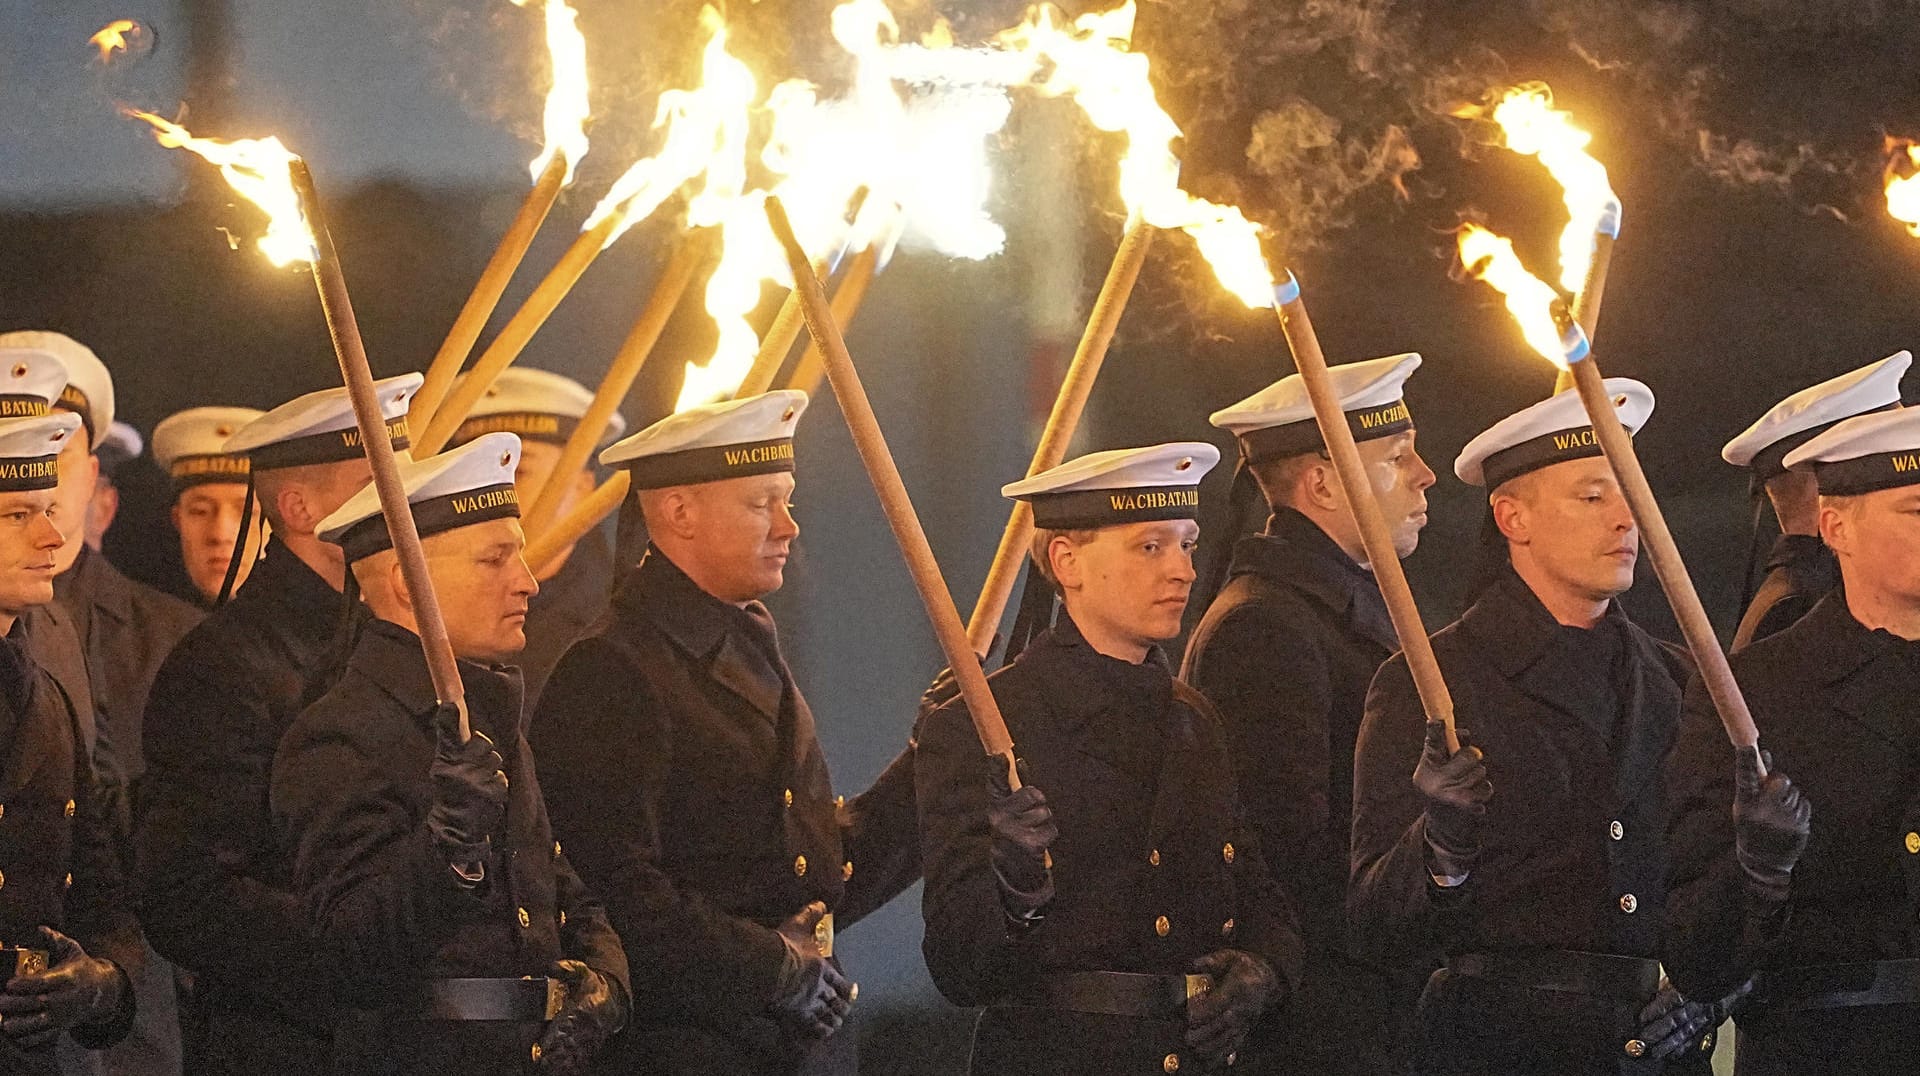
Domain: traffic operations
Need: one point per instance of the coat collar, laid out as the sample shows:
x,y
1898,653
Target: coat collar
x,y
1807,560
390,657
707,629
1296,553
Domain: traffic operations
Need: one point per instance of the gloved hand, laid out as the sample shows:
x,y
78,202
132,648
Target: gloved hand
x,y
1021,826
1457,790
1218,1020
811,998
1671,1025
595,1011
946,687
469,795
74,991
1771,820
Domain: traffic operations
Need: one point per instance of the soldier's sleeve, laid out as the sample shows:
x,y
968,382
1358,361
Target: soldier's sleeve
x,y
880,832
1396,912
1716,936
1268,679
972,951
604,746
588,935
381,898
99,905
202,828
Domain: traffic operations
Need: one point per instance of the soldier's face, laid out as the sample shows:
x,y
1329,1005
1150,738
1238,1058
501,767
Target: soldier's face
x,y
484,586
1877,538
79,471
743,532
1132,581
29,547
1400,481
208,519
1572,523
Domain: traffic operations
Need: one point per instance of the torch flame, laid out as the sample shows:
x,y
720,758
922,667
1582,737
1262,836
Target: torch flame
x,y
1533,303
112,38
257,169
1534,128
567,109
1903,191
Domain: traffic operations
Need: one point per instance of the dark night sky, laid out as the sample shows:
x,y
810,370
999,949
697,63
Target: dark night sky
x,y
1749,267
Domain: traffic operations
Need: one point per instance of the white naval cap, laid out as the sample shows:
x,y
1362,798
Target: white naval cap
x,y
534,405
30,450
1864,453
1802,416
1278,421
458,488
1552,431
124,440
1124,485
319,427
87,389
191,445
729,439
30,380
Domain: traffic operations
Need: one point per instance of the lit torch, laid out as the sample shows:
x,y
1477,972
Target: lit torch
x,y
565,146
1550,329
1903,183
121,37
270,176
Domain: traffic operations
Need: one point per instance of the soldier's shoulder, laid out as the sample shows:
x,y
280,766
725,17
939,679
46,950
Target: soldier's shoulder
x,y
169,618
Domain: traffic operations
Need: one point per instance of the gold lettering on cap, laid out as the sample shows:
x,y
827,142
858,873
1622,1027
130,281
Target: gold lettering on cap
x,y
1386,416
195,466
483,501
747,457
526,423
15,471
396,429
18,408
1575,439
1154,498
1906,464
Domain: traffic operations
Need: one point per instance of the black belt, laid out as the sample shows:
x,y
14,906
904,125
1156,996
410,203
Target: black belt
x,y
1113,993
1627,978
526,1001
1841,986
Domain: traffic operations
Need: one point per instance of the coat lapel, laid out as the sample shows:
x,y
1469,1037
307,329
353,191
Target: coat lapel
x,y
703,627
1653,706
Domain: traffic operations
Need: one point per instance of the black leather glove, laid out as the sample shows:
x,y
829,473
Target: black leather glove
x,y
1218,1020
595,1011
811,998
1670,1025
1021,827
1457,790
76,990
946,687
1771,820
469,795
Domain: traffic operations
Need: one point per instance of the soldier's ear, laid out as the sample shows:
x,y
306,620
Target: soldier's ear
x,y
1320,485
1836,524
1064,557
1510,515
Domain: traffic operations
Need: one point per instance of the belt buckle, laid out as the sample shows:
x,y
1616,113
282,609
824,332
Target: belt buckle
x,y
823,935
556,997
1198,985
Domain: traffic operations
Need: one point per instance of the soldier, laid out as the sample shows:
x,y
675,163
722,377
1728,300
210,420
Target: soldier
x,y
121,444
1800,569
59,874
685,779
1286,652
543,409
1812,881
209,494
1123,921
426,862
1537,870
215,887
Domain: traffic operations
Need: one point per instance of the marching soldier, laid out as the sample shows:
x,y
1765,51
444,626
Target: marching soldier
x,y
1535,870
543,409
685,779
1286,652
1800,568
216,893
1811,879
68,941
1122,921
427,863
209,494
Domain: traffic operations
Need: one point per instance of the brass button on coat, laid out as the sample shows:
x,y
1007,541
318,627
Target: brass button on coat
x,y
787,797
526,921
1162,927
800,866
69,808
3,810
1226,852
556,849
1172,1063
563,918
1153,857
1629,904
1226,928
1636,1048
1913,843
846,871
1616,830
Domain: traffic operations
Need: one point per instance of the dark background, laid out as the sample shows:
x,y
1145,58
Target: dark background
x,y
1743,137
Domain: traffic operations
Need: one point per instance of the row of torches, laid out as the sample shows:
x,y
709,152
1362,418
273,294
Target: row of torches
x,y
859,173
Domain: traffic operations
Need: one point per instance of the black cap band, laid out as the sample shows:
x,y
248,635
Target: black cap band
x,y
526,425
1296,438
434,516
1091,508
189,471
19,475
23,405
334,446
1560,446
695,465
1867,474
